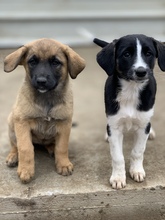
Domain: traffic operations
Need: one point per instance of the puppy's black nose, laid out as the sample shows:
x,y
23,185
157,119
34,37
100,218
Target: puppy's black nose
x,y
41,81
140,71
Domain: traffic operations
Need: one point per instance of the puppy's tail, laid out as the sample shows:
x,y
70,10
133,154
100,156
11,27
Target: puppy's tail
x,y
100,43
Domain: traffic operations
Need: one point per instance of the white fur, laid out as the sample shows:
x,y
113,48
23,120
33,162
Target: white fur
x,y
128,117
139,60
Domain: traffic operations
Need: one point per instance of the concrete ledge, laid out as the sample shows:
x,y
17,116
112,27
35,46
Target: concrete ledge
x,y
87,193
129,204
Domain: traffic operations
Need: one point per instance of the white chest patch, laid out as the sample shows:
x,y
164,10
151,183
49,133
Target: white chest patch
x,y
129,97
128,115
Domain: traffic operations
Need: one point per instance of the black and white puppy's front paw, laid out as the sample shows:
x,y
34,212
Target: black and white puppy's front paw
x,y
118,180
136,171
137,175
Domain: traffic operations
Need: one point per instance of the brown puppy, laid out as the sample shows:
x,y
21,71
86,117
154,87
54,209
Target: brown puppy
x,y
43,110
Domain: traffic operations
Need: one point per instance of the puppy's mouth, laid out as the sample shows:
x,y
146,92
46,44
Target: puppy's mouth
x,y
141,74
42,90
43,85
138,76
141,79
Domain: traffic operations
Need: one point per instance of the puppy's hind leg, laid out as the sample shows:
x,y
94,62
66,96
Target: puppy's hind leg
x,y
12,158
152,134
50,149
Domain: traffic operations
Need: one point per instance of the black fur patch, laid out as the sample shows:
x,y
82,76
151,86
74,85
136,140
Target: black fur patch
x,y
108,130
147,129
147,95
45,74
112,88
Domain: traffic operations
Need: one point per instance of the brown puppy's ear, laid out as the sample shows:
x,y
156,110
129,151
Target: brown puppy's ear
x,y
75,63
14,59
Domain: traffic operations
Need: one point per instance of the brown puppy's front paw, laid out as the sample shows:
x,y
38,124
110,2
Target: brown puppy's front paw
x,y
64,169
12,160
25,175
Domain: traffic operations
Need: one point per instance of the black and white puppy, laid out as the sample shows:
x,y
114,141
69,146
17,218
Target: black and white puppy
x,y
130,92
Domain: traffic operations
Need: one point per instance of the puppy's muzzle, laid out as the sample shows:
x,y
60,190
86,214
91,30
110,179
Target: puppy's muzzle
x,y
41,81
141,73
41,84
44,84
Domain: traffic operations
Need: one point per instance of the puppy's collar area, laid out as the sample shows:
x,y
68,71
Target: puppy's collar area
x,y
48,118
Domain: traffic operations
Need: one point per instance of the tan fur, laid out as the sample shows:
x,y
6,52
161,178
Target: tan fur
x,y
32,120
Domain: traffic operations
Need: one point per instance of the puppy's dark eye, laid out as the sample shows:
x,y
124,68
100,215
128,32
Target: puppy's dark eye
x,y
33,61
55,62
127,54
148,53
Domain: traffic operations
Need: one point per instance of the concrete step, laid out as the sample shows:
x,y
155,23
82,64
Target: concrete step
x,y
87,193
77,22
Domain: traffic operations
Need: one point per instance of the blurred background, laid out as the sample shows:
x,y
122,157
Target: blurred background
x,y
76,22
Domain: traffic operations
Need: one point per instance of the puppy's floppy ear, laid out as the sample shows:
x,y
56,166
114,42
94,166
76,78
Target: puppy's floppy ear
x,y
106,58
160,47
75,63
14,59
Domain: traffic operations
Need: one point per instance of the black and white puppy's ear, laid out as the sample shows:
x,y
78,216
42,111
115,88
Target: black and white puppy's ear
x,y
106,58
100,43
160,47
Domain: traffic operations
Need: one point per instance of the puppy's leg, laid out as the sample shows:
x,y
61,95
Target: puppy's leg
x,y
25,151
63,164
136,162
152,134
50,149
12,158
118,177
